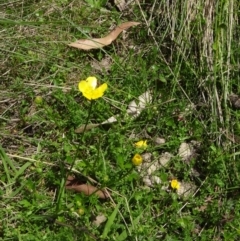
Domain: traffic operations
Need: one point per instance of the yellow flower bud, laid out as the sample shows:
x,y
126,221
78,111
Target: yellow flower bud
x,y
137,160
38,100
81,211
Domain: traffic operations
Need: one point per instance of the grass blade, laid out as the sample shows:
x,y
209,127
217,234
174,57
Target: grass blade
x,y
110,221
124,234
7,161
13,194
21,170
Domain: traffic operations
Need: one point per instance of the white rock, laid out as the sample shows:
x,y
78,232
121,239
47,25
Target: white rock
x,y
159,140
110,120
165,158
144,166
151,169
145,99
121,4
99,220
147,157
139,167
194,172
165,188
147,181
134,109
186,189
185,151
155,180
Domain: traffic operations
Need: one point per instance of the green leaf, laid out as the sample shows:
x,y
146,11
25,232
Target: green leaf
x,y
7,162
13,194
162,79
110,221
21,170
124,234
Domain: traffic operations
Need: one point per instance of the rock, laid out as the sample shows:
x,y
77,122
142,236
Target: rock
x,y
151,169
185,151
186,189
99,219
165,158
147,157
155,180
159,140
147,181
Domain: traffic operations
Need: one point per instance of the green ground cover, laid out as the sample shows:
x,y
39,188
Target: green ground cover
x,y
186,54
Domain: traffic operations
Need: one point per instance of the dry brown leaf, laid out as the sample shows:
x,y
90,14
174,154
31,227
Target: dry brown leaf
x,y
73,184
96,43
70,179
88,190
83,128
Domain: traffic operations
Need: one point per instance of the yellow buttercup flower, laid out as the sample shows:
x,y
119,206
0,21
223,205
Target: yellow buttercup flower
x,y
175,184
141,144
137,160
90,90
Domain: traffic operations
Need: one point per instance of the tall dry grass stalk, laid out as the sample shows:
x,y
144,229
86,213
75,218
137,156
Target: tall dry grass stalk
x,y
200,33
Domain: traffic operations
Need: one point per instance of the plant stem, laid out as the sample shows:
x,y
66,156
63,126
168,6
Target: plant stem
x,y
64,179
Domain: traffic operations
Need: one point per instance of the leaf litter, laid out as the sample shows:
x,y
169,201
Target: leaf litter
x,y
73,184
96,43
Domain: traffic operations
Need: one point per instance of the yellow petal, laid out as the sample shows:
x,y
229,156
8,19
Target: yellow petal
x,y
98,92
89,90
175,184
92,81
88,95
84,86
102,87
141,144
